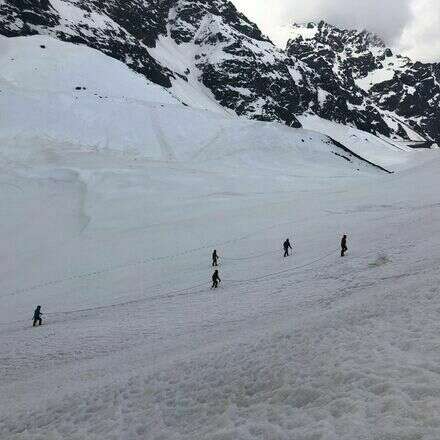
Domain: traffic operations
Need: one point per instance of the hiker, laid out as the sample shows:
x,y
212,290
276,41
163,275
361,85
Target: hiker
x,y
286,246
37,316
214,258
344,247
215,280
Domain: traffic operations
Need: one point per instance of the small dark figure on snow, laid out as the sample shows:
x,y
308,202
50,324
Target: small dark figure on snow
x,y
215,280
37,316
214,258
286,246
344,247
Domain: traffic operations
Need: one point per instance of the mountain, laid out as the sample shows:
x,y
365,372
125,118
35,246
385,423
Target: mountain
x,y
182,45
355,71
113,197
208,55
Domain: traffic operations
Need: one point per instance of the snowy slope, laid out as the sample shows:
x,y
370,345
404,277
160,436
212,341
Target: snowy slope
x,y
59,132
210,56
118,110
219,59
110,210
45,64
384,152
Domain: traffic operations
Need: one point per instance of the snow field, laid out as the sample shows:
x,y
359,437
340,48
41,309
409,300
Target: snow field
x,y
337,349
349,352
34,64
110,226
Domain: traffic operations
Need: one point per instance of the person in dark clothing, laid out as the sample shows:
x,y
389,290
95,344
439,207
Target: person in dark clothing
x,y
286,246
214,258
37,316
215,280
344,247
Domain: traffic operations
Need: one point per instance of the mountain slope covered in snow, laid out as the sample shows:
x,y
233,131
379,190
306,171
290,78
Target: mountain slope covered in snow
x,y
65,96
114,195
210,56
218,49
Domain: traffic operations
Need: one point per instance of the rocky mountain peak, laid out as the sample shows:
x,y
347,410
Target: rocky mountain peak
x,y
323,34
359,66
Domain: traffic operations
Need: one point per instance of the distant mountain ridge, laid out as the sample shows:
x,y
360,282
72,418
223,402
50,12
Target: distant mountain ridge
x,y
209,55
357,66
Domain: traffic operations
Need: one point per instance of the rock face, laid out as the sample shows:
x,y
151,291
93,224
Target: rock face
x,y
208,46
122,30
235,61
356,72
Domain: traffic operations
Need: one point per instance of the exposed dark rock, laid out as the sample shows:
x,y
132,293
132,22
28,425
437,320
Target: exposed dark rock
x,y
342,59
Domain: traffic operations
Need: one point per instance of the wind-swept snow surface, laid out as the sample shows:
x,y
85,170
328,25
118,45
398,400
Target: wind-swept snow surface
x,y
109,224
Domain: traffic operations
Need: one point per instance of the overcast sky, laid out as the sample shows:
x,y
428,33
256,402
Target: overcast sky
x,y
412,26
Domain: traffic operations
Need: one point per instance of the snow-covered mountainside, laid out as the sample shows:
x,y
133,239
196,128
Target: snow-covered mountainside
x,y
62,96
113,196
183,45
355,71
208,55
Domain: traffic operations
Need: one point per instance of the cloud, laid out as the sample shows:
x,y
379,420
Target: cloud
x,y
410,25
420,39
